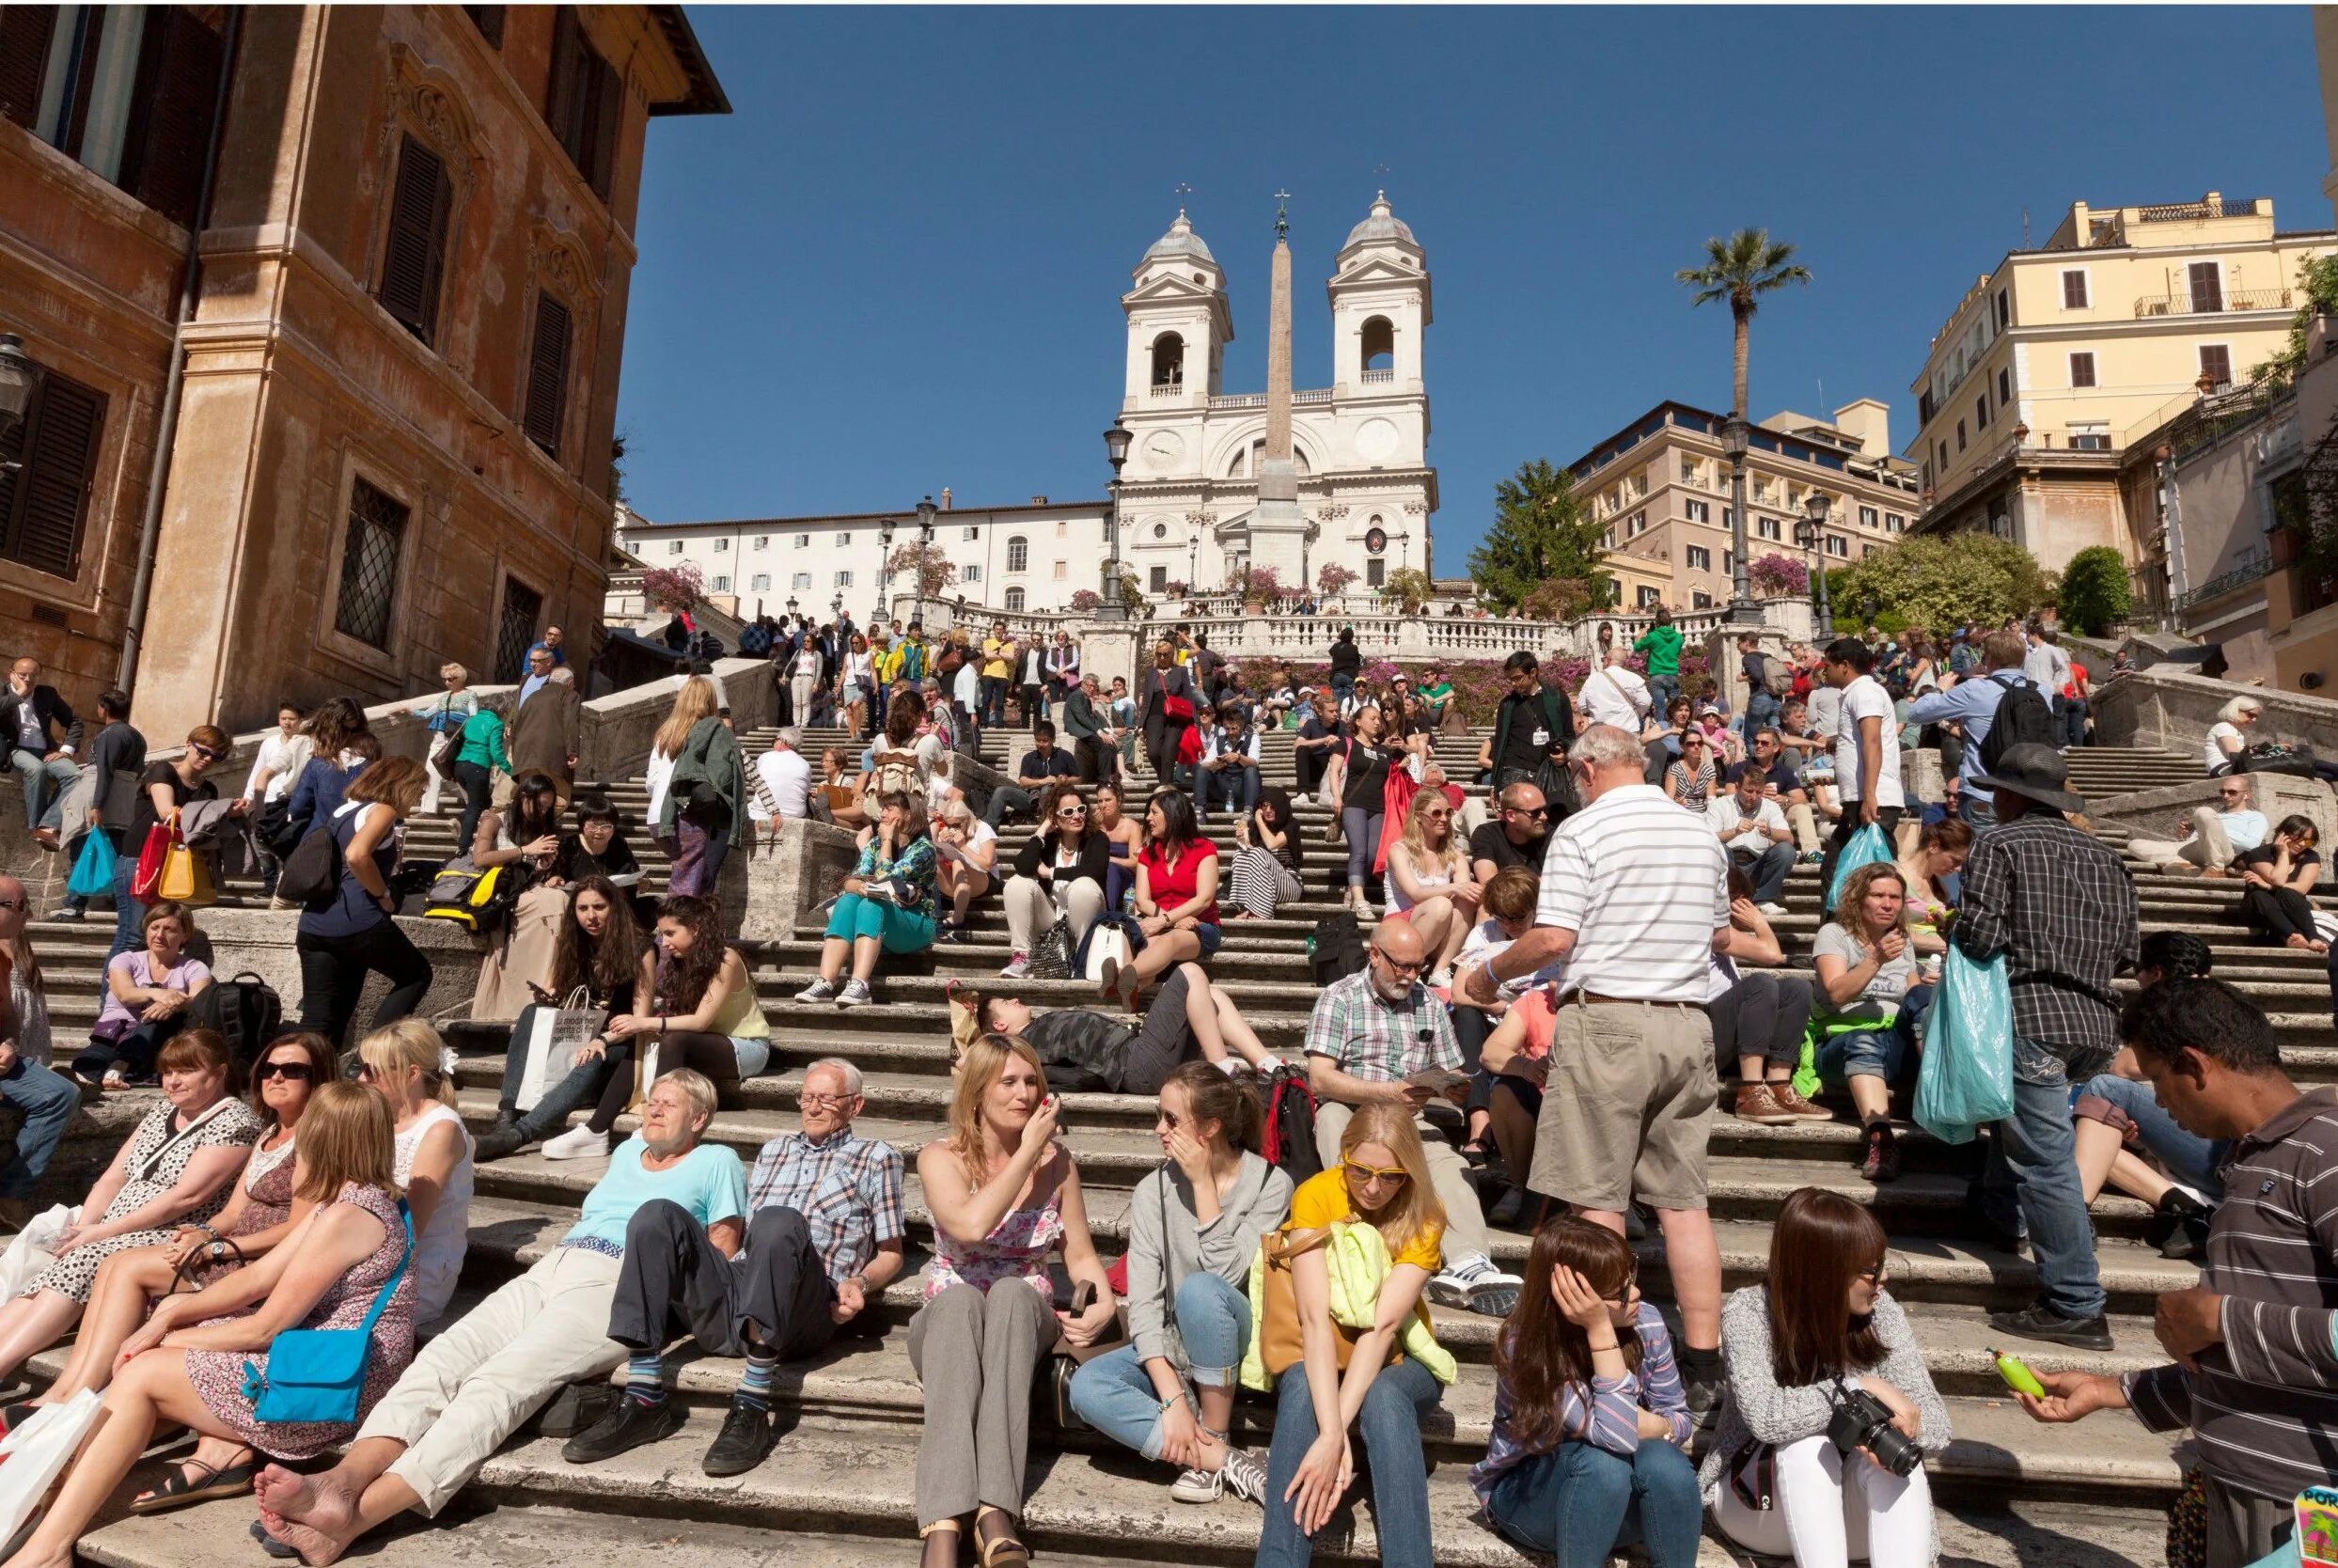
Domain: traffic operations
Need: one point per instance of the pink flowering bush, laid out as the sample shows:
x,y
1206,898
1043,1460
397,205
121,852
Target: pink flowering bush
x,y
1479,684
1774,574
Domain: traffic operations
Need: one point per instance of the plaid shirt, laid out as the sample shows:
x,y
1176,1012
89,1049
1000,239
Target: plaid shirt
x,y
2061,907
848,1190
1381,1041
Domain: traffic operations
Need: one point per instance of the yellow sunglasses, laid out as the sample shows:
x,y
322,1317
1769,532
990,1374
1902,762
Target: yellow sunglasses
x,y
1373,1173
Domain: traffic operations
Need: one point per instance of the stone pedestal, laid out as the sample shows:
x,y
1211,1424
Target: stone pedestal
x,y
786,877
1110,649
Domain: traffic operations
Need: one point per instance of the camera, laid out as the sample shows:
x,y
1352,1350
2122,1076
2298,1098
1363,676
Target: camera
x,y
1860,1420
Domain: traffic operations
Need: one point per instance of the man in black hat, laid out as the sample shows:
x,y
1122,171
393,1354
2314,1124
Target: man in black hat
x,y
2059,907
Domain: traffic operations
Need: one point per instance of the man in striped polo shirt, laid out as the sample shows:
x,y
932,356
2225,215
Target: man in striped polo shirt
x,y
1634,901
2255,1375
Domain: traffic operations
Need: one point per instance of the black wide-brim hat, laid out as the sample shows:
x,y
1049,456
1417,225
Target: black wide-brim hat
x,y
2036,772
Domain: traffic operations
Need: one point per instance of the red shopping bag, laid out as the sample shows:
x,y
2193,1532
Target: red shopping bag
x,y
150,857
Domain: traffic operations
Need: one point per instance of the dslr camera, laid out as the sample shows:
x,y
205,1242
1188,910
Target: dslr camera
x,y
1860,1420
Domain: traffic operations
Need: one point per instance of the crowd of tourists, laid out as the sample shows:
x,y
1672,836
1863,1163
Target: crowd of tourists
x,y
1526,1007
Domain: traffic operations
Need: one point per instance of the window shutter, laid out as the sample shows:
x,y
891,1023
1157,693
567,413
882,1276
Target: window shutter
x,y
2074,290
415,258
171,121
561,91
489,21
547,375
600,146
42,503
25,35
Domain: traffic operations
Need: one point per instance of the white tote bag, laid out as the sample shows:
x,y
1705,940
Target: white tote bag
x,y
35,1454
1105,944
33,1250
556,1037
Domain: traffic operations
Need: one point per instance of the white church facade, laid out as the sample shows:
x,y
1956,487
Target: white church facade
x,y
1188,494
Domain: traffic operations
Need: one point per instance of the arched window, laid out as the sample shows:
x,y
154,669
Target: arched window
x,y
1014,599
1379,349
1248,458
1169,361
1018,554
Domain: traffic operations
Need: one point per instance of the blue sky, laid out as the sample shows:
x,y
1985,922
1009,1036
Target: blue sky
x,y
897,265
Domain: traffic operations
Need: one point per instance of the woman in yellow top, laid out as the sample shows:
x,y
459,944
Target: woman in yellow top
x,y
1382,1179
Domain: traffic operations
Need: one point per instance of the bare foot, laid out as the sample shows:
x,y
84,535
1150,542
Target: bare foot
x,y
315,1547
2298,941
321,1501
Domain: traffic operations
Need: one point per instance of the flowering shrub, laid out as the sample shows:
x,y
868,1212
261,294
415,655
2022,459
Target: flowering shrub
x,y
1085,599
1774,574
1479,684
1334,578
680,588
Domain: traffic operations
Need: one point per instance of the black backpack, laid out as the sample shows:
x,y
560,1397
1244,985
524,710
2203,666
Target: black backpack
x,y
2023,716
312,872
246,1012
1336,948
1288,1141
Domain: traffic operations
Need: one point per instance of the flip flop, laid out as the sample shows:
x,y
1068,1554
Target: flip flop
x,y
179,1489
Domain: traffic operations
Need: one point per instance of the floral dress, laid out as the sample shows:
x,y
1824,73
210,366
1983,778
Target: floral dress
x,y
218,1376
913,868
267,1202
159,1153
1016,1248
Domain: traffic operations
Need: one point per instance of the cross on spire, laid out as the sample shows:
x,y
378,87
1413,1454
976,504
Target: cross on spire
x,y
1282,214
1184,190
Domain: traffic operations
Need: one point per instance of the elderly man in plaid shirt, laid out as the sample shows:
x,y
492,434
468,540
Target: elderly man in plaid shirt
x,y
823,1239
1369,1035
2059,906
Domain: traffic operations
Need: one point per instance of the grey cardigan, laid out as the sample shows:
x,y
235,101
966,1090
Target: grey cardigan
x,y
1759,1410
1165,1245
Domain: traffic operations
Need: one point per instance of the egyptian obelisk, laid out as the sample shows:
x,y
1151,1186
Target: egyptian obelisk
x,y
1278,530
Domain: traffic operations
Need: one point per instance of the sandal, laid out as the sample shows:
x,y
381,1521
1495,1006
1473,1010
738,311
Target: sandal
x,y
926,1535
999,1548
180,1488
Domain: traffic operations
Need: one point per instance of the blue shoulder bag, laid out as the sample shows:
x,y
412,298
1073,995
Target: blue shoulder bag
x,y
319,1374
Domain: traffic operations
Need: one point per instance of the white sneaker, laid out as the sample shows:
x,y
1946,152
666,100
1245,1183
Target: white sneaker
x,y
1475,1283
1771,908
578,1143
819,991
856,993
1197,1486
1018,967
1441,980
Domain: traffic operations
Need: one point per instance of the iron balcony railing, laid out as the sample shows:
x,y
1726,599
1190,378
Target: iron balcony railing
x,y
2250,567
2238,299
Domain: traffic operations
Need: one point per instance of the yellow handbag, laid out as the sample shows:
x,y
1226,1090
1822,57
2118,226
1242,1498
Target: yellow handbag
x,y
186,876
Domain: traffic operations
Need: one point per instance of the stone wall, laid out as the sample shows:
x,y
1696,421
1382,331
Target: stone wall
x,y
2166,813
2155,708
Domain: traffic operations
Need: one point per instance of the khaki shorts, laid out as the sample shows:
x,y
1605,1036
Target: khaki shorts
x,y
1627,1107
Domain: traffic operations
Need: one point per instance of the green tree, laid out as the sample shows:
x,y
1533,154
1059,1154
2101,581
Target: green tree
x,y
1541,533
2317,288
1740,270
1408,586
1938,583
2095,596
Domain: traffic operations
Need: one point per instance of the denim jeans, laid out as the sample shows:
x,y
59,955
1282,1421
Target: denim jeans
x,y
127,912
133,1051
2033,1171
1235,785
549,1114
42,808
1976,812
1115,1394
995,701
1662,689
1581,1502
1388,1434
48,1100
1343,688
1761,713
1768,870
2191,1159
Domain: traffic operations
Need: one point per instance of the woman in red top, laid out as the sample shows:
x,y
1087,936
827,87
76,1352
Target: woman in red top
x,y
1176,895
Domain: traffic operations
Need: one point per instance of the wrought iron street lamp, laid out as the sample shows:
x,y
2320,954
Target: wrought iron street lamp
x,y
884,573
1113,607
925,542
1193,564
20,383
1811,535
1735,440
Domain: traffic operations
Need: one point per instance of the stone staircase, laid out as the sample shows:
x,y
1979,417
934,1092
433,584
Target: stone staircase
x,y
839,1481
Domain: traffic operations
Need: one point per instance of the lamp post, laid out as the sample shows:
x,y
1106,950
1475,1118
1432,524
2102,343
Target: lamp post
x,y
1811,535
1743,611
1193,564
925,542
20,380
1113,607
885,572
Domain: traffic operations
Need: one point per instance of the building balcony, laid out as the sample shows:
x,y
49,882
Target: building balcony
x,y
2185,304
1168,389
1375,377
2251,566
1257,399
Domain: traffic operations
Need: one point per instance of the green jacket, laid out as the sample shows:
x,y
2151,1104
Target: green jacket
x,y
709,756
480,740
1662,643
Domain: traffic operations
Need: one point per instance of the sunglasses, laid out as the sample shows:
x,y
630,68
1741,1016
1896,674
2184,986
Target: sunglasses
x,y
201,750
1072,813
1535,811
1374,1174
294,1072
825,1102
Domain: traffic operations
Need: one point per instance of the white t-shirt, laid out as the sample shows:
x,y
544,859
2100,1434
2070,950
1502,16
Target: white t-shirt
x,y
1616,696
1865,699
1824,707
1487,940
788,775
283,759
1722,814
2212,753
438,1251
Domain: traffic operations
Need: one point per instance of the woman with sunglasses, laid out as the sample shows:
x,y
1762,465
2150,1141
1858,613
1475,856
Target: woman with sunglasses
x,y
1821,1327
163,789
260,1213
405,1064
1193,1225
1591,1420
1393,1369
1432,884
1058,874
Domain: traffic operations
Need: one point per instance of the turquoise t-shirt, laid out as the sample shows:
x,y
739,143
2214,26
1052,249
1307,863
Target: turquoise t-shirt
x,y
710,1183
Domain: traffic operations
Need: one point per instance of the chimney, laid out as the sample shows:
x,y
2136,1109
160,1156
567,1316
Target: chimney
x,y
944,497
1039,500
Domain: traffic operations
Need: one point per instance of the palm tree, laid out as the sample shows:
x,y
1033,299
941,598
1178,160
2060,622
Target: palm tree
x,y
1740,270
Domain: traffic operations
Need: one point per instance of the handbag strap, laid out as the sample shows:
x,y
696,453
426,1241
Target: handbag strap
x,y
148,1167
380,1300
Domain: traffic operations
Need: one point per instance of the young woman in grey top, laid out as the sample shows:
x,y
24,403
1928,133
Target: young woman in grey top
x,y
1819,1328
1193,1228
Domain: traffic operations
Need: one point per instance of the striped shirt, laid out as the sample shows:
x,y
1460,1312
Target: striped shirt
x,y
1604,1413
1644,885
2263,1405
